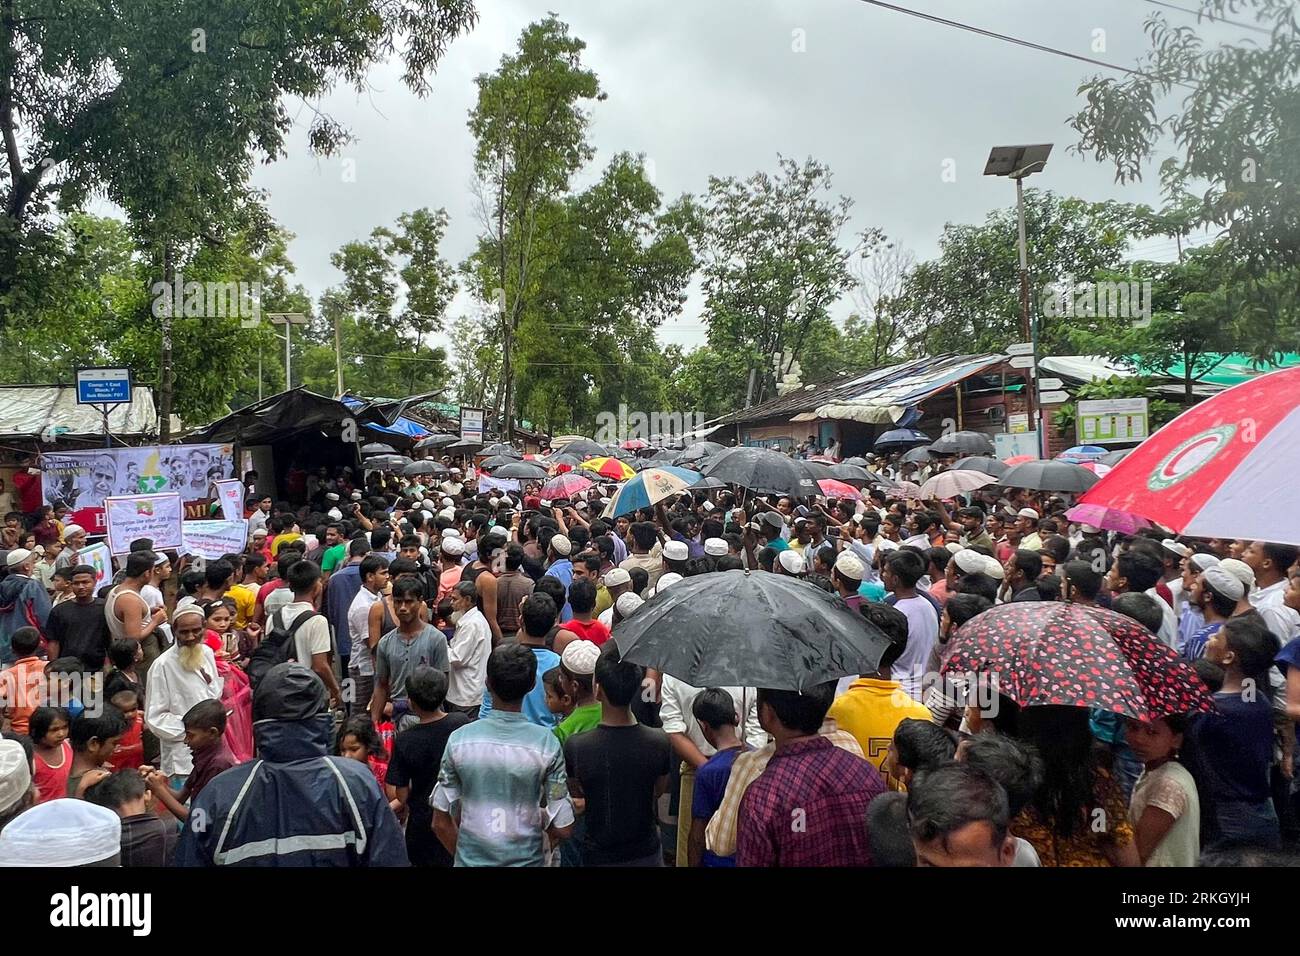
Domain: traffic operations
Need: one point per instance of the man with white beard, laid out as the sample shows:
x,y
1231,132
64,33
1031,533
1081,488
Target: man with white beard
x,y
182,676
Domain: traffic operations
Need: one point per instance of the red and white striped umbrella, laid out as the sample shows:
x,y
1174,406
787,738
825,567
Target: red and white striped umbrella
x,y
1223,469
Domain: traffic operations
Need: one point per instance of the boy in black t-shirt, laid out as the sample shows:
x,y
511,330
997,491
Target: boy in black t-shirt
x,y
417,755
618,771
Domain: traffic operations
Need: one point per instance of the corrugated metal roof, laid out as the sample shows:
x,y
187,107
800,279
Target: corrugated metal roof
x,y
27,411
889,386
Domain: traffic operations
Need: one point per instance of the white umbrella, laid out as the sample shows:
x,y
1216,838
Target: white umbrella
x,y
948,484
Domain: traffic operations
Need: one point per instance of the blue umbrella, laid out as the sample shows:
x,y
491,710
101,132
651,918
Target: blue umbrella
x,y
901,438
1081,453
649,487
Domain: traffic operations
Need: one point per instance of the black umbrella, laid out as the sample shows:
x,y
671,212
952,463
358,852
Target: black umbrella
x,y
760,470
698,451
706,484
856,460
917,455
463,444
496,461
385,462
585,448
854,475
1113,458
524,470
1048,476
897,438
816,470
750,629
378,448
436,441
573,461
986,466
963,443
503,450
426,466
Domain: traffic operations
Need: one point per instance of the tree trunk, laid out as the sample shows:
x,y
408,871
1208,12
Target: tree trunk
x,y
1187,378
165,363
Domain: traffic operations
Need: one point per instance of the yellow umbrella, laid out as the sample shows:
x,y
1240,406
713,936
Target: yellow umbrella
x,y
610,468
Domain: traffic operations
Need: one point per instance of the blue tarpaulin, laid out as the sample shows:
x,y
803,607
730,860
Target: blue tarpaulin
x,y
402,426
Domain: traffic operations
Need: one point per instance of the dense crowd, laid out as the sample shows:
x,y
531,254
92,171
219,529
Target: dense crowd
x,y
413,670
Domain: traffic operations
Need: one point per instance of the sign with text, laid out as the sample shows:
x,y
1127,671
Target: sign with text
x,y
1021,443
471,424
103,386
212,539
230,495
1112,420
84,479
158,517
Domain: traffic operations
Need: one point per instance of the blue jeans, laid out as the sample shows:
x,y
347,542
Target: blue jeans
x,y
1245,824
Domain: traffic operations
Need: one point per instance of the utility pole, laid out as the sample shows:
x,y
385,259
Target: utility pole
x,y
338,357
165,361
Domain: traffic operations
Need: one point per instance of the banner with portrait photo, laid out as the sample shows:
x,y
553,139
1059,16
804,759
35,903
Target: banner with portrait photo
x,y
84,479
158,517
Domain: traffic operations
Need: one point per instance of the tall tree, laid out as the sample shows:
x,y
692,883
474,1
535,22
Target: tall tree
x,y
773,263
968,298
1231,111
530,127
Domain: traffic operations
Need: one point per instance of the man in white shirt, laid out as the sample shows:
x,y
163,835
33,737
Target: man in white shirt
x,y
361,664
260,514
312,643
453,486
683,730
182,676
1270,563
468,652
902,571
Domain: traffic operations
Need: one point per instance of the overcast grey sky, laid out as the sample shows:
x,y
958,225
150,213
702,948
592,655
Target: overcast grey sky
x,y
720,87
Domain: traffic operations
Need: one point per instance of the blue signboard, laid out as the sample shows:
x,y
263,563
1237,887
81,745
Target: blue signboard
x,y
103,386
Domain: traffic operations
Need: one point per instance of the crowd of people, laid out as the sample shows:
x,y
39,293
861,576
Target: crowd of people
x,y
415,671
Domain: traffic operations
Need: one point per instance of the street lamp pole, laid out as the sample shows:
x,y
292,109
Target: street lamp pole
x,y
288,320
1017,162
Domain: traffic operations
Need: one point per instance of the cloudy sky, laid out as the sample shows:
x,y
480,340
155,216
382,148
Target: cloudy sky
x,y
721,88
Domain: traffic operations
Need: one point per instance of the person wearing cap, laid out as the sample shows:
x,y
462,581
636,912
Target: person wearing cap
x,y
296,805
17,792
618,770
74,539
453,486
675,557
503,769
617,582
450,550
789,563
182,676
467,652
1173,554
1027,527
24,601
62,833
847,575
577,667
1190,620
1215,594
1270,562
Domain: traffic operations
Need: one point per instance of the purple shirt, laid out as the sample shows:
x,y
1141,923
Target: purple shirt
x,y
808,808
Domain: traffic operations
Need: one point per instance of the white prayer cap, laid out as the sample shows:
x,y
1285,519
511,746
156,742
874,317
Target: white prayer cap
x,y
1174,547
792,561
954,547
665,580
1223,582
1202,560
356,496
579,657
451,533
15,774
62,832
676,551
970,561
1027,513
561,545
993,567
331,496
453,546
70,529
335,514
715,547
616,576
447,513
628,603
1241,571
850,566
17,557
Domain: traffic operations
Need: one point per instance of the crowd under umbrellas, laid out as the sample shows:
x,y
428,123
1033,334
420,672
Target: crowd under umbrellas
x,y
956,660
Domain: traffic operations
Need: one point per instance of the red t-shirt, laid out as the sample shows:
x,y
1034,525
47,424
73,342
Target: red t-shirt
x,y
129,753
592,630
29,490
52,782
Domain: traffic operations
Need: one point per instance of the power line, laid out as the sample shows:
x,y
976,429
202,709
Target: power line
x,y
1018,41
1202,15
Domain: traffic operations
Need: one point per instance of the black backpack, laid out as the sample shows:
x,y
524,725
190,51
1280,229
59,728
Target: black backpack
x,y
277,647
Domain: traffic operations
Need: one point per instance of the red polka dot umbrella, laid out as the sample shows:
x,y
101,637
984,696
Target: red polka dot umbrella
x,y
1051,652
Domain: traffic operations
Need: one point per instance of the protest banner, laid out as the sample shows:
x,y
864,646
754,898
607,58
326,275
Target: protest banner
x,y
84,479
212,539
99,558
486,483
230,494
157,517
